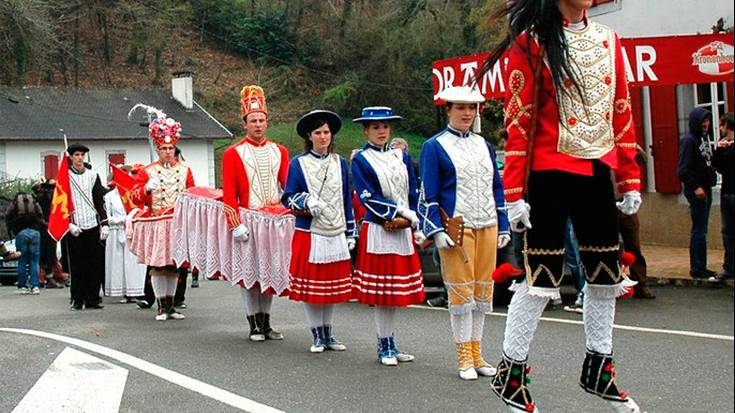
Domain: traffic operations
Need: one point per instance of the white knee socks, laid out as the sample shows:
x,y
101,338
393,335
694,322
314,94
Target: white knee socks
x,y
314,314
478,325
461,326
599,316
524,313
163,286
250,300
384,317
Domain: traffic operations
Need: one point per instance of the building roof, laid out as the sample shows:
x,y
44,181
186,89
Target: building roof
x,y
38,113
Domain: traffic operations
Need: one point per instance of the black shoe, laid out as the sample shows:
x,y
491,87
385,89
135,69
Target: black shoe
x,y
180,305
77,307
439,302
703,275
143,304
95,306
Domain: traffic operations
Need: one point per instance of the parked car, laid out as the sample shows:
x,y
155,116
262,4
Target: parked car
x,y
9,267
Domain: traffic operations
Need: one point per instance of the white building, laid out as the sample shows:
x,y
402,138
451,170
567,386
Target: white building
x,y
662,112
33,121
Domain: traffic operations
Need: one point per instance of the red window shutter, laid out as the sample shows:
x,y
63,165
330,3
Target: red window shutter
x,y
116,158
637,109
50,166
665,138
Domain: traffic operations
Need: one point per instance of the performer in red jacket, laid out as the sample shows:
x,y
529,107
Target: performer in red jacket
x,y
569,121
254,174
158,185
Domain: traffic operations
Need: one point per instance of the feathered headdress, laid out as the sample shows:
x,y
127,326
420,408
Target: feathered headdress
x,y
162,129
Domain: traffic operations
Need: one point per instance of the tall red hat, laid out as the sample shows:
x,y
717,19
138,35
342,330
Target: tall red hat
x,y
252,100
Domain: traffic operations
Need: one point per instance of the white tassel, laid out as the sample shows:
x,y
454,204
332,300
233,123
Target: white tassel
x,y
477,123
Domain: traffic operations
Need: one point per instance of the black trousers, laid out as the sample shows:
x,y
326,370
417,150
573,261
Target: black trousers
x,y
589,201
87,267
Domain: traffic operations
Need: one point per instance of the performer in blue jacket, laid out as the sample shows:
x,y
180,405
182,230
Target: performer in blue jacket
x,y
318,190
387,270
459,176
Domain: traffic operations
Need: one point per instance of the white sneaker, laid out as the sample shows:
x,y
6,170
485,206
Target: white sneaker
x,y
336,346
23,291
389,361
35,291
625,407
257,337
161,317
469,374
486,371
176,316
405,357
317,349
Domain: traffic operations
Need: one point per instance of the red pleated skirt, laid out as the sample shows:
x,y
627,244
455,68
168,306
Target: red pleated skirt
x,y
389,280
317,283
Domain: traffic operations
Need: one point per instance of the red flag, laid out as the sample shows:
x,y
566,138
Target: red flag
x,y
62,205
124,184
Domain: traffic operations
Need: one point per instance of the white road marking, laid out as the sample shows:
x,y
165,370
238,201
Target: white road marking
x,y
683,333
186,382
76,382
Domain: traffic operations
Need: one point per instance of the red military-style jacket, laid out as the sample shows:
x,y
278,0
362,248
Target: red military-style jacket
x,y
253,176
598,126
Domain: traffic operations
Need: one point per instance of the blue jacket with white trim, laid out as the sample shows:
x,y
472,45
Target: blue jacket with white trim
x,y
297,193
439,185
379,208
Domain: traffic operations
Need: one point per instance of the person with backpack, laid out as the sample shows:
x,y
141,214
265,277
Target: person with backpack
x,y
25,221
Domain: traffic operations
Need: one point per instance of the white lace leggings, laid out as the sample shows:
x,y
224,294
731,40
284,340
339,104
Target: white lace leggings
x,y
255,302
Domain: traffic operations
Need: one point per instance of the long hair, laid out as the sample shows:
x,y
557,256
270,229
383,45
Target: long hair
x,y
542,21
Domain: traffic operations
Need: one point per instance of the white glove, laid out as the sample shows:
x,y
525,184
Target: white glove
x,y
131,215
74,230
241,233
152,184
442,240
350,244
115,221
419,237
409,215
519,215
315,205
104,232
631,203
503,240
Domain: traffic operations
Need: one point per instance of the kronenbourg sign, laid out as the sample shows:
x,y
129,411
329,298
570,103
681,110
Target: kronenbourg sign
x,y
715,58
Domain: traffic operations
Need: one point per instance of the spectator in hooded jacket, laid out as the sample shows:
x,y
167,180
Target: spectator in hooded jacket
x,y
698,177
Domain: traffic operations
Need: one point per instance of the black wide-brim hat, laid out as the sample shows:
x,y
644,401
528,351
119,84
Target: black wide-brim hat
x,y
76,147
304,125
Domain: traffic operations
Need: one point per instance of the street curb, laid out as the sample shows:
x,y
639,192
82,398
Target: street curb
x,y
688,282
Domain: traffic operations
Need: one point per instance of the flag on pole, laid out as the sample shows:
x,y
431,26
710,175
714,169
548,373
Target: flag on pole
x,y
62,205
125,184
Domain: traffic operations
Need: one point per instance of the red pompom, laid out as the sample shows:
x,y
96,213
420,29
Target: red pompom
x,y
505,272
530,407
628,294
627,259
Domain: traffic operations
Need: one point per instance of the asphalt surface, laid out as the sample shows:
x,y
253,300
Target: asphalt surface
x,y
664,372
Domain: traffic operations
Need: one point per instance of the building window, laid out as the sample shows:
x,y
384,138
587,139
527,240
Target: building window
x,y
713,97
50,164
115,158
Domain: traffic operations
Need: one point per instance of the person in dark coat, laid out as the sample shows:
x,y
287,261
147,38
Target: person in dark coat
x,y
698,177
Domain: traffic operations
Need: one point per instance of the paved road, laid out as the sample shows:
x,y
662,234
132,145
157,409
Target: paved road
x,y
664,371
